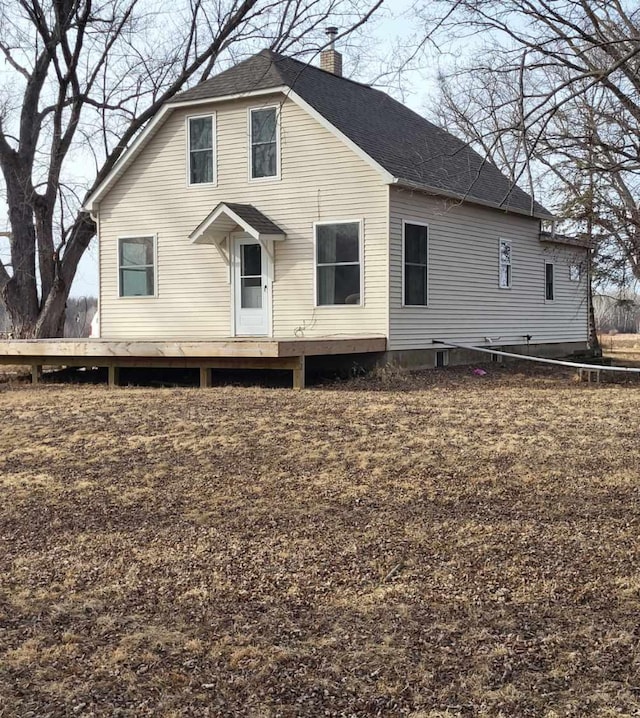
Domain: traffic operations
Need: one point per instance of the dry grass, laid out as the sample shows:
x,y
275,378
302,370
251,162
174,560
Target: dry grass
x,y
437,545
622,349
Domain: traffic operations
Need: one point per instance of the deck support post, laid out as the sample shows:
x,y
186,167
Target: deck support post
x,y
114,376
205,377
36,373
298,373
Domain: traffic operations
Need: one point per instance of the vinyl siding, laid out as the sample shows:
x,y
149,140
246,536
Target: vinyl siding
x,y
321,179
465,303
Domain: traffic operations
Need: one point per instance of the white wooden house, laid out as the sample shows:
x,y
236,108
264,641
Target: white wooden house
x,y
282,200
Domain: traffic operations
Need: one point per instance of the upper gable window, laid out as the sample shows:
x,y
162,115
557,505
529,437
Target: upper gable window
x,y
264,142
201,149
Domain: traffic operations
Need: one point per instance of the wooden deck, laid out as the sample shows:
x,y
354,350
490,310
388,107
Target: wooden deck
x,y
228,353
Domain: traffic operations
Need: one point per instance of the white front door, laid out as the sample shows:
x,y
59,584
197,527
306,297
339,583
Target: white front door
x,y
251,288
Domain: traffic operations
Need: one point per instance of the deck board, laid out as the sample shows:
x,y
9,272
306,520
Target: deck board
x,y
25,350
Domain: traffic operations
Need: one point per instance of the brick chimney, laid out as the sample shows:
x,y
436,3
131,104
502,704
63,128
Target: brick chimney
x,y
331,59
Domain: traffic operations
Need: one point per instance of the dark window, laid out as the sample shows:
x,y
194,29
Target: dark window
x,y
415,265
264,143
136,263
548,282
201,150
338,263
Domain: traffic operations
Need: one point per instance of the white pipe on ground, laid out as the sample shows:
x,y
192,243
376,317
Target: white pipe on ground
x,y
541,360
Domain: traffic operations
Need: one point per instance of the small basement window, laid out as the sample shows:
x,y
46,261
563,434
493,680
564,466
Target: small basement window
x,y
136,266
338,263
442,358
505,264
549,288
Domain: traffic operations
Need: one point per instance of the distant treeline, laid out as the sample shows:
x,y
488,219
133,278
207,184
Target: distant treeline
x,y
80,312
618,313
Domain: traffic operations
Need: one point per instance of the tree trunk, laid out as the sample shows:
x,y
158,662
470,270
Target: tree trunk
x,y
594,342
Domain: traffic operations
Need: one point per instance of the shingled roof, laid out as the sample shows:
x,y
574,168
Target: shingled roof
x,y
415,151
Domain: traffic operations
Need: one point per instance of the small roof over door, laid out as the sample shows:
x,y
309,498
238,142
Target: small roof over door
x,y
227,217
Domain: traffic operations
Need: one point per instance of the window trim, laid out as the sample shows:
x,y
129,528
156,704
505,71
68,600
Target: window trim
x,y
214,149
510,243
547,263
142,235
418,223
360,223
277,175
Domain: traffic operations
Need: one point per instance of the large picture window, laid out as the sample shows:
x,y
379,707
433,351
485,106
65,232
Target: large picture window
x,y
415,264
338,263
136,262
201,150
505,264
264,143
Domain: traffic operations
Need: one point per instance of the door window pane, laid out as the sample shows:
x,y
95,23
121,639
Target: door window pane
x,y
251,260
251,293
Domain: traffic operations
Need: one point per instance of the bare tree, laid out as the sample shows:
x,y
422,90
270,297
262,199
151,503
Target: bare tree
x,y
84,77
551,94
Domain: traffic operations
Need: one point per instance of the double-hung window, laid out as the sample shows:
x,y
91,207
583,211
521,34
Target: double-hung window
x,y
505,265
415,264
264,142
338,263
136,266
549,288
201,149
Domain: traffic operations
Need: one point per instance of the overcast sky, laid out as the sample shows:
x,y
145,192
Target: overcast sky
x,y
390,27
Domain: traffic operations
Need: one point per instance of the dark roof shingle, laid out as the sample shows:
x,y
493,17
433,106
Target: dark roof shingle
x,y
412,149
254,217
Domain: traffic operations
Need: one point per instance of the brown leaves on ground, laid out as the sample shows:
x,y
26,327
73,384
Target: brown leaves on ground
x,y
430,545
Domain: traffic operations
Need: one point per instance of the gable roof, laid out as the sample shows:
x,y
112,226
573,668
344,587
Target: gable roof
x,y
402,146
414,151
228,215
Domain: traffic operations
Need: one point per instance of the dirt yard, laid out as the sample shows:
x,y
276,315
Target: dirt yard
x,y
428,546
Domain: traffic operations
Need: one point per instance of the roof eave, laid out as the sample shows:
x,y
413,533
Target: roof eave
x,y
430,189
